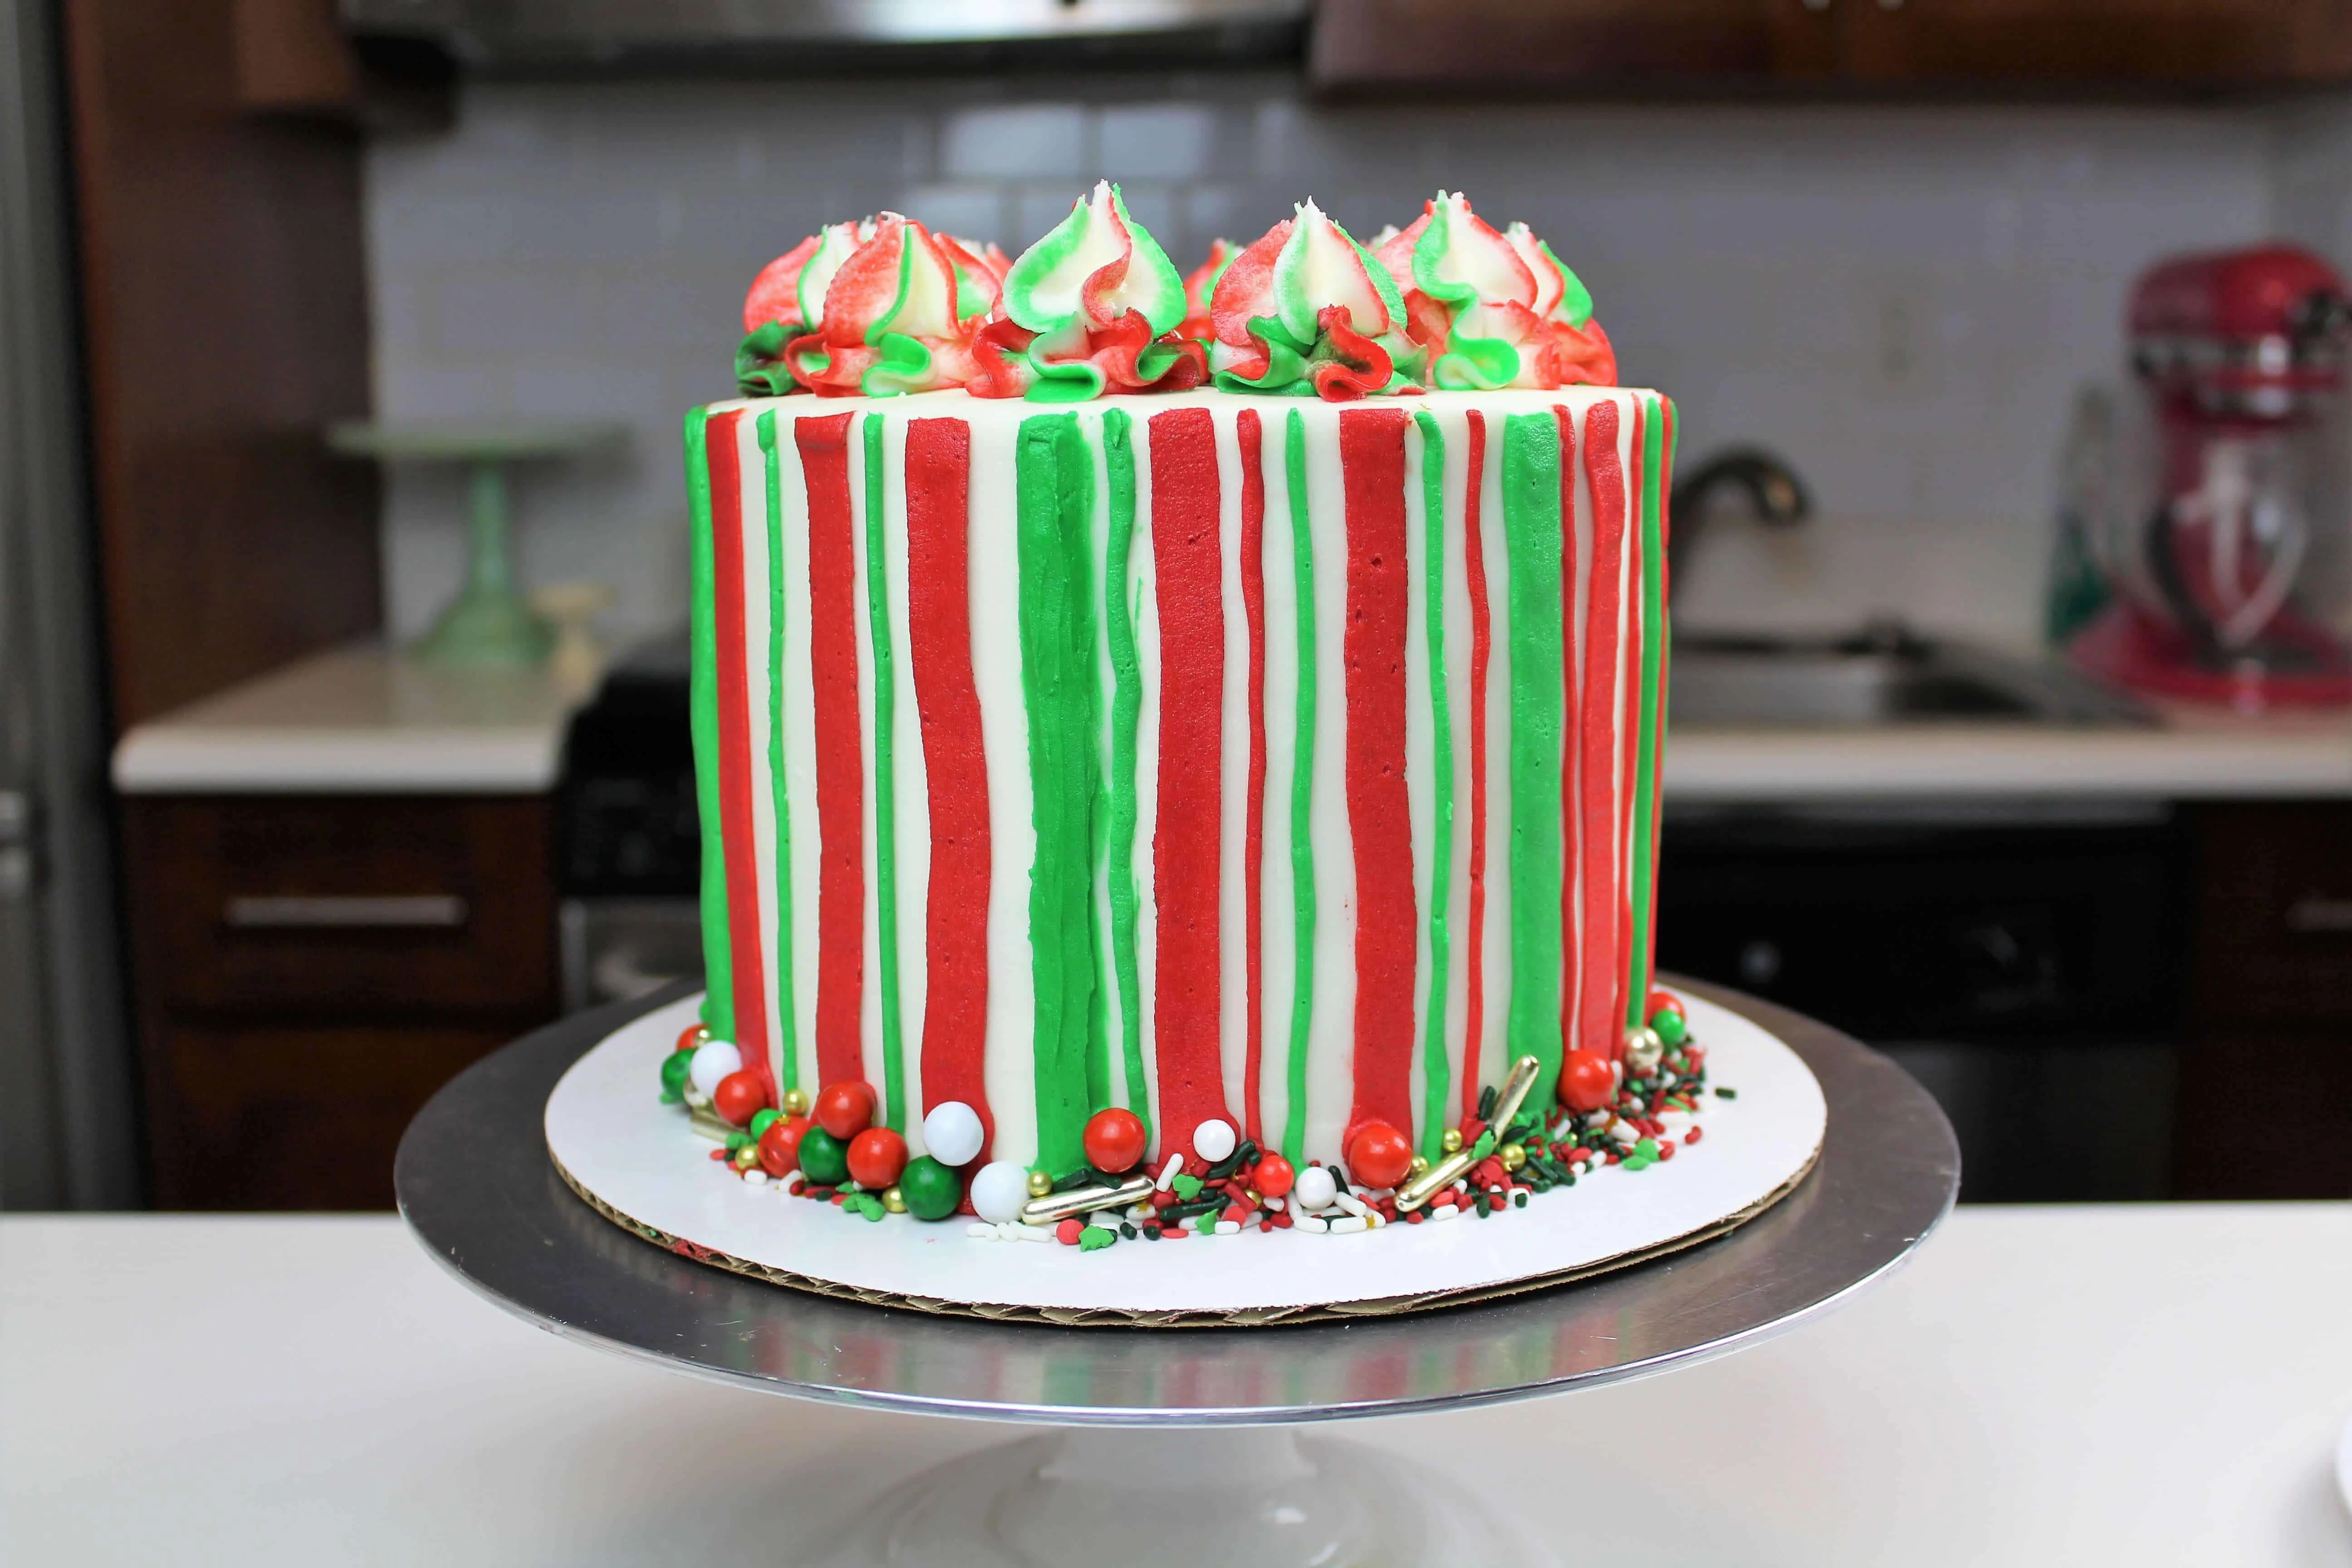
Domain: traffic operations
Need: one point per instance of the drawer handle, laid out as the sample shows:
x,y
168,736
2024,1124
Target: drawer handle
x,y
2315,914
328,912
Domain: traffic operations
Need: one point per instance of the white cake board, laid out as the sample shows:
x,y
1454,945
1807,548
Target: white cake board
x,y
641,1163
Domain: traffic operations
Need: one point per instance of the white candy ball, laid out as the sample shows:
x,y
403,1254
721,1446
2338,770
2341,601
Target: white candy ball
x,y
1314,1188
1000,1190
713,1060
952,1134
1213,1140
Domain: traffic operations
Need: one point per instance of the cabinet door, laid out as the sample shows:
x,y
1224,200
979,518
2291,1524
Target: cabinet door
x,y
2265,1105
2216,42
2264,1114
358,908
2272,937
1598,47
258,1117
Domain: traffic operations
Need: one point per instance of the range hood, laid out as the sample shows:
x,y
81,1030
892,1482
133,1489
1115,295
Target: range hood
x,y
533,38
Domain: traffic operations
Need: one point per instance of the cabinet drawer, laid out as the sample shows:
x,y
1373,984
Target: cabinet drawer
x,y
265,1117
2274,916
362,908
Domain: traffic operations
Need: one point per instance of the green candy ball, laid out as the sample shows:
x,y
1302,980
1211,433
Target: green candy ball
x,y
760,1120
1669,1026
931,1190
675,1068
824,1159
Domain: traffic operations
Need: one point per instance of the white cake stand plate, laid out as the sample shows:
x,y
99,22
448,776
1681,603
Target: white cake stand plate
x,y
1181,1445
643,1164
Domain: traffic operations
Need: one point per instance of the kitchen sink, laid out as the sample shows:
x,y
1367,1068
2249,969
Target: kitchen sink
x,y
1880,675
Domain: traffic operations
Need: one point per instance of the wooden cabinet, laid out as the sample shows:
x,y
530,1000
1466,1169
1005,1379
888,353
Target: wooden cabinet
x,y
310,970
2265,1105
1622,48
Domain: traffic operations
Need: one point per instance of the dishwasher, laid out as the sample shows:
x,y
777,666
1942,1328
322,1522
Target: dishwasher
x,y
2022,959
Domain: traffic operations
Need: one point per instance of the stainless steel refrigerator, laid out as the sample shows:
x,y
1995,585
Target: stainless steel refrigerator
x,y
67,1107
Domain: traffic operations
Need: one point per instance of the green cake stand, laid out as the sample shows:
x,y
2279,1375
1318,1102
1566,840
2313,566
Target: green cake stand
x,y
488,623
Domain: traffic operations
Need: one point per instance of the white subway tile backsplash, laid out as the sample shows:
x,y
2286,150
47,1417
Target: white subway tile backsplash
x,y
1015,142
1901,302
1160,141
974,212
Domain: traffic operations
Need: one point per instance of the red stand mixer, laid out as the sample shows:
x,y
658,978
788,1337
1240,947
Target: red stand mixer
x,y
2230,581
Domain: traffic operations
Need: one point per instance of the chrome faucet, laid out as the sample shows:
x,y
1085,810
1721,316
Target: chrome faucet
x,y
1775,494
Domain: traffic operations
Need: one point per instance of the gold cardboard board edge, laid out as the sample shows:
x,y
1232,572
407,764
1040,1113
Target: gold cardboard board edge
x,y
1077,1317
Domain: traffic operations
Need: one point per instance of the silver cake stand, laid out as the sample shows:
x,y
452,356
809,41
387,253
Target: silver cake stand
x,y
1150,1455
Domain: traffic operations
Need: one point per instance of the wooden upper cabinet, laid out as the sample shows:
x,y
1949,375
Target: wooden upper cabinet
x,y
2214,44
1460,47
1625,47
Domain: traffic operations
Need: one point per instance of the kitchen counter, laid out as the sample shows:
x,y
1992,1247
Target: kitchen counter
x,y
2132,1385
360,720
2195,754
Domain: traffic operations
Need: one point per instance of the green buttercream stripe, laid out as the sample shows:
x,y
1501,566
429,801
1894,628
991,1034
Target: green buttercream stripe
x,y
1653,706
1532,544
1302,795
886,784
1055,487
1436,1072
702,689
787,1026
1126,713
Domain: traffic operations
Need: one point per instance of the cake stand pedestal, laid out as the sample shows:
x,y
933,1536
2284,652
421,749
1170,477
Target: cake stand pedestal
x,y
1148,1458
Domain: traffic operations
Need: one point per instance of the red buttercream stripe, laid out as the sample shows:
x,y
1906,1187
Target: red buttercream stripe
x,y
938,626
1188,839
1482,648
1573,971
1637,632
840,760
1247,427
741,850
1380,811
1599,843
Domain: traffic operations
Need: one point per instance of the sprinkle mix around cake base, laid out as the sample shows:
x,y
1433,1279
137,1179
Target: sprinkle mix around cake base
x,y
1231,802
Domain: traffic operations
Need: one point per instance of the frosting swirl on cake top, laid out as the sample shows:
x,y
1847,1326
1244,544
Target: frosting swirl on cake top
x,y
1091,307
1494,309
1306,311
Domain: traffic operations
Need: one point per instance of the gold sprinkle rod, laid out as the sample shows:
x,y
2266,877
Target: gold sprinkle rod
x,y
1056,1207
1426,1186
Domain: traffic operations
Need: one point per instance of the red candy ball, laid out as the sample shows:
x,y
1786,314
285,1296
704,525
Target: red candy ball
x,y
740,1097
690,1037
779,1145
1663,1002
1378,1155
1587,1082
1273,1177
1115,1139
845,1108
876,1156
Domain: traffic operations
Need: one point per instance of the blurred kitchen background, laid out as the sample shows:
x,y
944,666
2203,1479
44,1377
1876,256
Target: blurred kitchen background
x,y
310,310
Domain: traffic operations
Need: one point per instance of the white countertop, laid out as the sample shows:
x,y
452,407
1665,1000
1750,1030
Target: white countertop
x,y
2196,753
2128,1386
361,721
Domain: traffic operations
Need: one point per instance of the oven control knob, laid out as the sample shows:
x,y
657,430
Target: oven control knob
x,y
1759,962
